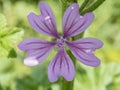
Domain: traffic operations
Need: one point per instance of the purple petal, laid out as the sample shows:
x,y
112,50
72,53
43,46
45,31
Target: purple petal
x,y
45,22
74,23
83,50
37,50
61,65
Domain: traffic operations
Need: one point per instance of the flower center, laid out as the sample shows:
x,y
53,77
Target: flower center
x,y
60,43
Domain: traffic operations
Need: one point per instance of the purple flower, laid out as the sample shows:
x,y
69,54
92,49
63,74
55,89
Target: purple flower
x,y
73,24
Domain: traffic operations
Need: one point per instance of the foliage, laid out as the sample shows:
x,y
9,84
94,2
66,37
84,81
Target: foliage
x,y
9,37
105,77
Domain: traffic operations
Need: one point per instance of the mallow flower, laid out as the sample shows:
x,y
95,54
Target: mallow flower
x,y
72,24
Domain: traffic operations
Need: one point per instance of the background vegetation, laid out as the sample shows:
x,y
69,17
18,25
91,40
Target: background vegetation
x,y
14,27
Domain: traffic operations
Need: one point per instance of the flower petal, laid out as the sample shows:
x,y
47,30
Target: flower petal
x,y
37,50
44,23
61,65
83,50
74,23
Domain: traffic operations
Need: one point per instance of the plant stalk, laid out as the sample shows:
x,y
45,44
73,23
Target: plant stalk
x,y
68,85
92,7
83,5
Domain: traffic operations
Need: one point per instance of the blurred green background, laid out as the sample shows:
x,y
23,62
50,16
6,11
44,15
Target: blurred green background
x,y
14,28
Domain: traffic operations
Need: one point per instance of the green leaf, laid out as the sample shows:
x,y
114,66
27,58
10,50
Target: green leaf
x,y
3,21
6,65
39,74
106,75
12,54
9,37
26,83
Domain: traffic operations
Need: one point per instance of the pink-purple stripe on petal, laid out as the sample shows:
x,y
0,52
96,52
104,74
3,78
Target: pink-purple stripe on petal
x,y
74,23
86,20
37,50
61,65
44,23
83,50
69,17
49,18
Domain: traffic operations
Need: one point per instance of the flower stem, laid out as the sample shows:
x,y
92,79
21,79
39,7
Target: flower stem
x,y
65,84
83,5
68,85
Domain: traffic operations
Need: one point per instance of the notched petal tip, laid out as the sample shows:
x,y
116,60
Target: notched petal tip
x,y
43,3
94,63
31,61
89,19
90,14
97,42
44,23
97,63
74,5
30,13
52,79
61,65
83,49
20,45
100,44
30,16
74,23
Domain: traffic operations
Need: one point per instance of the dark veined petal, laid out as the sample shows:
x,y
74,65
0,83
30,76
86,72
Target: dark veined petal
x,y
37,50
44,23
61,65
83,50
74,23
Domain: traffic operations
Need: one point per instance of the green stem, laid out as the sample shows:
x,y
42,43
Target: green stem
x,y
75,1
65,84
68,85
94,6
79,36
83,5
